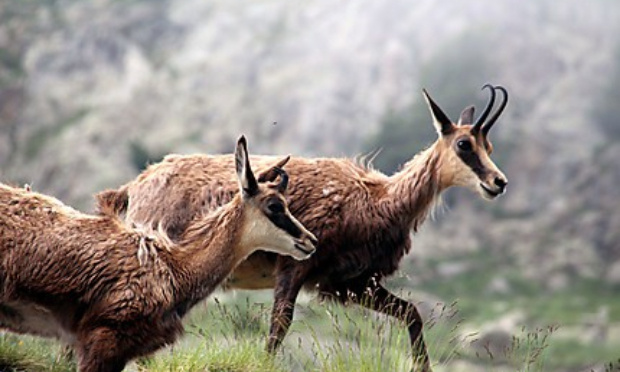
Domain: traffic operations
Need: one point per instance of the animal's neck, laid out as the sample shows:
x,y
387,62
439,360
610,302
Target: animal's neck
x,y
207,252
413,190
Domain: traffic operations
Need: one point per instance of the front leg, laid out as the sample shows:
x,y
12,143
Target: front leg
x,y
99,351
378,298
289,281
105,345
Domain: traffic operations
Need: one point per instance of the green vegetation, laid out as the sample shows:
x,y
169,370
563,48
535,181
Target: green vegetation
x,y
202,354
25,353
227,334
558,335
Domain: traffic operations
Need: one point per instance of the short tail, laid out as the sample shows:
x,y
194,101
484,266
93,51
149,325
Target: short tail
x,y
112,202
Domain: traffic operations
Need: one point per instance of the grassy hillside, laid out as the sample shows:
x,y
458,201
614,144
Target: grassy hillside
x,y
91,91
227,334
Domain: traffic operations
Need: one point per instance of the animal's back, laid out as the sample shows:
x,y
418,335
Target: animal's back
x,y
334,198
54,259
180,187
40,231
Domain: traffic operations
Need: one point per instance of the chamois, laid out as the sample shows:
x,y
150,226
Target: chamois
x,y
113,291
361,217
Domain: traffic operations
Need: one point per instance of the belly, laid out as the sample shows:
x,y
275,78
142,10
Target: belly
x,y
257,272
33,319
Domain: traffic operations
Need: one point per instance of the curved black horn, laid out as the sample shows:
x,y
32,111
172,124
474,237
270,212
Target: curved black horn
x,y
487,126
282,186
487,110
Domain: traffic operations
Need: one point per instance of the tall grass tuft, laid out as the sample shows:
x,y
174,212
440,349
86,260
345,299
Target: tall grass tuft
x,y
221,337
25,353
228,335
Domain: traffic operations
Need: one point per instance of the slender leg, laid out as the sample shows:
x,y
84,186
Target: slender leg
x,y
99,351
379,299
288,285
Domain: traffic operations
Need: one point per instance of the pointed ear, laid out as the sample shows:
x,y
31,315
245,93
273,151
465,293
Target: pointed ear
x,y
442,123
247,183
467,115
270,174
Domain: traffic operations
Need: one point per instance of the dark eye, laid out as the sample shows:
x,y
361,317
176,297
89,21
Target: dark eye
x,y
464,145
276,207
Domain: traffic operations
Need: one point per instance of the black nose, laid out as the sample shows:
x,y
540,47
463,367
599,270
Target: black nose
x,y
501,183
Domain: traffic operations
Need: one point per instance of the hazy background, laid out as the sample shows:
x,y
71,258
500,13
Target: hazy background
x,y
90,91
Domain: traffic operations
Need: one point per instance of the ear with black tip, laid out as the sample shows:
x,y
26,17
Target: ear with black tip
x,y
270,174
247,182
467,115
442,123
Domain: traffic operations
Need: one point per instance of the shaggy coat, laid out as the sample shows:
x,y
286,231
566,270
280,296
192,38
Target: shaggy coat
x,y
115,292
361,217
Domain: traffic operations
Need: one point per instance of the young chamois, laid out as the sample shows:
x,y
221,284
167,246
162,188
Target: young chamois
x,y
361,217
115,293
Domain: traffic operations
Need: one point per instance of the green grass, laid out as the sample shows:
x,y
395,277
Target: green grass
x,y
566,353
227,334
230,336
25,353
565,312
195,354
325,337
329,337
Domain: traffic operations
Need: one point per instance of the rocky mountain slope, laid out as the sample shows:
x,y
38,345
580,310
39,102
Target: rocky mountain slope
x,y
91,90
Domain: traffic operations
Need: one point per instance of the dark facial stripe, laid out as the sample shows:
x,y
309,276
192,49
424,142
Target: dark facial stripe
x,y
285,223
473,161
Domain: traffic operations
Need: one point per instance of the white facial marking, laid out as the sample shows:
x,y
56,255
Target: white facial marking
x,y
261,234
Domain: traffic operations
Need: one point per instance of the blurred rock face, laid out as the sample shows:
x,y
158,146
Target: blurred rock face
x,y
91,90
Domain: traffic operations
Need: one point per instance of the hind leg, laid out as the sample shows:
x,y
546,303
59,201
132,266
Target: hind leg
x,y
376,297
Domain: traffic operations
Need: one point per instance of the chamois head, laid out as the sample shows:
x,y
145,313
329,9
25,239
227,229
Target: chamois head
x,y
467,149
268,224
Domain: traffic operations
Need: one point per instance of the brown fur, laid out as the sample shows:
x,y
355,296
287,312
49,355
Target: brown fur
x,y
112,291
361,217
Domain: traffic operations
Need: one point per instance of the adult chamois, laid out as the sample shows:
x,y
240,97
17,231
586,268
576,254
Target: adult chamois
x,y
361,217
114,292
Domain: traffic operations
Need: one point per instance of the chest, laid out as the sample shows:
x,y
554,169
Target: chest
x,y
363,243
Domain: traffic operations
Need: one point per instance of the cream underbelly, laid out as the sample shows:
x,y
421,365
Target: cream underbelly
x,y
256,272
29,318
